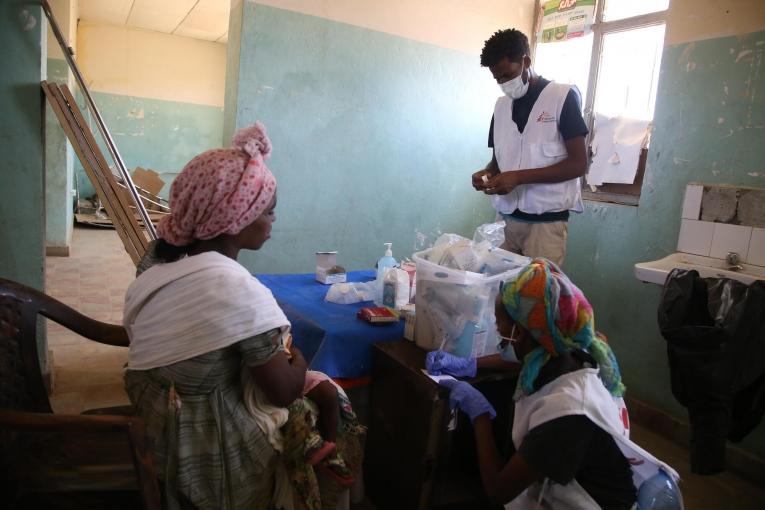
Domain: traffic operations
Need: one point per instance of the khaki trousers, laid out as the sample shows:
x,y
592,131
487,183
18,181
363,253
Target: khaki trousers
x,y
533,240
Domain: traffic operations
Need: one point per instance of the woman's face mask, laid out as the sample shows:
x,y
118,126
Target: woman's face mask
x,y
515,88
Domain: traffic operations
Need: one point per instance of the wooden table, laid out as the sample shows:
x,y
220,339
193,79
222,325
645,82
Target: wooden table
x,y
412,460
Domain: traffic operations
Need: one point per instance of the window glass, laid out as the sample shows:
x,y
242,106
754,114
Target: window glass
x,y
566,62
620,9
629,72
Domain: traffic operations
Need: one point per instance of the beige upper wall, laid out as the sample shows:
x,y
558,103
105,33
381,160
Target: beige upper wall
x,y
65,12
461,25
149,64
691,20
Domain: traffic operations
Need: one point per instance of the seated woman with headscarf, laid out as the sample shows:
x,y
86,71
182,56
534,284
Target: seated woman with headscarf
x,y
207,367
570,426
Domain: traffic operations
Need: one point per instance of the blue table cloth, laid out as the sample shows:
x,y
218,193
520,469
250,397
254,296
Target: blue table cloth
x,y
330,336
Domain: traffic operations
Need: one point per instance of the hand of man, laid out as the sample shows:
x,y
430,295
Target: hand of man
x,y
501,184
468,399
478,182
440,362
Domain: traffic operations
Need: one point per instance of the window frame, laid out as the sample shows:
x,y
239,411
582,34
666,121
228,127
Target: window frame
x,y
625,194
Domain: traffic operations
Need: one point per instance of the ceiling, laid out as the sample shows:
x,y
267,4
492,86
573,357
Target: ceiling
x,y
199,19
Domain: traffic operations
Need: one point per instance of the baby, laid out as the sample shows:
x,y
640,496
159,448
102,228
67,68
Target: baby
x,y
319,445
306,431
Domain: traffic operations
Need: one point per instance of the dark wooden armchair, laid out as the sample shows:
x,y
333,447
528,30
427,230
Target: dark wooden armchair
x,y
44,453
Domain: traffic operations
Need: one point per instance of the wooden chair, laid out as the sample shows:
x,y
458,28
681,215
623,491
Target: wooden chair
x,y
45,453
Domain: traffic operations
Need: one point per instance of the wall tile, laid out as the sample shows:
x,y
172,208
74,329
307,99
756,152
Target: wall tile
x,y
692,202
730,238
695,237
751,208
756,254
719,204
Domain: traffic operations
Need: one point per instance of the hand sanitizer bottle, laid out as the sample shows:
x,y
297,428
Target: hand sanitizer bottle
x,y
386,262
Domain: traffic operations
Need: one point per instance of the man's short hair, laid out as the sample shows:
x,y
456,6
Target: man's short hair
x,y
511,44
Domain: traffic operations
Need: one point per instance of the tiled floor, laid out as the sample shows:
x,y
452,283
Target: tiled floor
x,y
724,491
93,280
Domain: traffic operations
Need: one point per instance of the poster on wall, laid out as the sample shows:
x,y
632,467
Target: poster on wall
x,y
562,20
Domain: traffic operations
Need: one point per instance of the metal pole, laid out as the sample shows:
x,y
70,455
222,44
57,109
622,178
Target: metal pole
x,y
69,56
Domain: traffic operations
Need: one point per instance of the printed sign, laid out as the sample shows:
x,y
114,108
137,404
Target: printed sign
x,y
565,19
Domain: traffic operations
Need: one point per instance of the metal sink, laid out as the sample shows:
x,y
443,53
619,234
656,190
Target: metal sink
x,y
656,271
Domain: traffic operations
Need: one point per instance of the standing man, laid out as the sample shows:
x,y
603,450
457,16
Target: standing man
x,y
537,134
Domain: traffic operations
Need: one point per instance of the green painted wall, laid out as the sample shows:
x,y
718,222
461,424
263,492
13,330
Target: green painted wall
x,y
59,170
375,137
22,222
709,126
22,170
156,134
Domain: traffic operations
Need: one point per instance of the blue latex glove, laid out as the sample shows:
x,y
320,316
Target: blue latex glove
x,y
468,399
440,363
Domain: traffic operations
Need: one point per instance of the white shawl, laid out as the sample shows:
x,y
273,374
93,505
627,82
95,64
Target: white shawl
x,y
198,304
183,309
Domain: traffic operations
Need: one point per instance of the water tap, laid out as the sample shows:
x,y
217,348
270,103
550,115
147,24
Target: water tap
x,y
733,260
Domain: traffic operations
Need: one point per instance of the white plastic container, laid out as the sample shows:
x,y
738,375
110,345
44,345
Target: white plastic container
x,y
447,298
395,288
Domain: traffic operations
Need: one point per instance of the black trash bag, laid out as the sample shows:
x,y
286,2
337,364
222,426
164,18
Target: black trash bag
x,y
715,333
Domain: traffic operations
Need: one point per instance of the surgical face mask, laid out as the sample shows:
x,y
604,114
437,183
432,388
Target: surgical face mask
x,y
515,88
507,352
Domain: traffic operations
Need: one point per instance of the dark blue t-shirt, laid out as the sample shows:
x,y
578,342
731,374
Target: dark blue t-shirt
x,y
570,124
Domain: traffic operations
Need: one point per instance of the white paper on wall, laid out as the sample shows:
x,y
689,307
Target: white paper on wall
x,y
616,144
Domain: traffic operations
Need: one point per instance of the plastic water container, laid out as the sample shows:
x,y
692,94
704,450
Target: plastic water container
x,y
660,492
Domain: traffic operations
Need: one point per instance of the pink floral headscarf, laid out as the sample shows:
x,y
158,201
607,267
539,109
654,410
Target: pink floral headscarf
x,y
221,191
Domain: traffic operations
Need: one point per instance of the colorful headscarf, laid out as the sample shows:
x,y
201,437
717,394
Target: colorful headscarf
x,y
544,301
221,191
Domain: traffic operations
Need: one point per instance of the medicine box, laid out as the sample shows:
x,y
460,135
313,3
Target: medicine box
x,y
327,271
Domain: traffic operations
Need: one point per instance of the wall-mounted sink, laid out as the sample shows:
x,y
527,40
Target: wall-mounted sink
x,y
656,271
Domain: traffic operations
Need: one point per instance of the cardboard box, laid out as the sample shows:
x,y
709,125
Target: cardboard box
x,y
377,315
148,180
327,271
325,276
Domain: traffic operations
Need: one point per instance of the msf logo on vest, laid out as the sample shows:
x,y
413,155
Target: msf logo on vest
x,y
545,117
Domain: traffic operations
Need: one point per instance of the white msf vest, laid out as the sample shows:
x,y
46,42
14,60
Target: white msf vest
x,y
540,145
578,393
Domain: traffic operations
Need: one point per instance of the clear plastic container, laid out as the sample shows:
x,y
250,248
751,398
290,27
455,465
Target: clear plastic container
x,y
456,307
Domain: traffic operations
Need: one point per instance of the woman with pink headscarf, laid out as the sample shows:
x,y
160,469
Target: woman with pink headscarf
x,y
208,370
